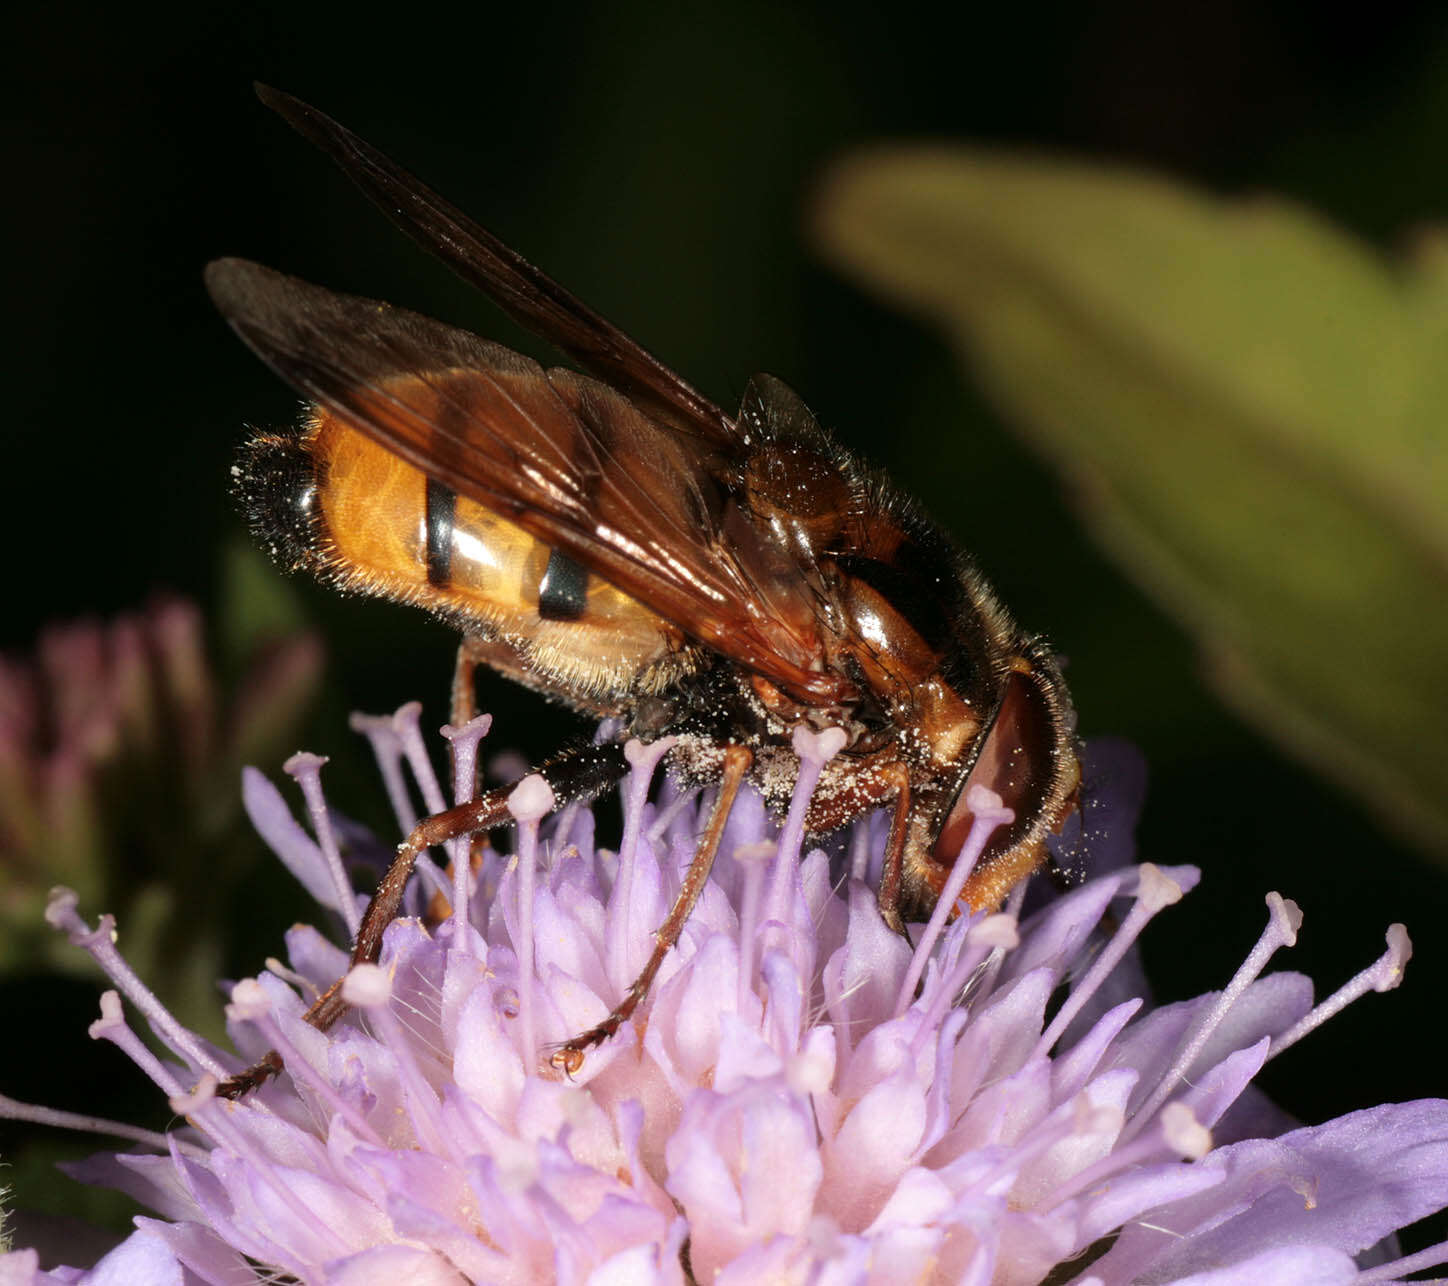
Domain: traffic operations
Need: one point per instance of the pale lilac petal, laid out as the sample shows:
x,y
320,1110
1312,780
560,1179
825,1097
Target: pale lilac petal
x,y
1055,935
744,1169
22,1268
863,977
1371,1173
142,1257
1101,835
273,821
151,1180
201,1252
1077,1064
1003,1035
1343,1185
486,1065
1211,1094
1148,1188
1280,1266
462,1248
690,1008
873,1149
644,1265
389,1265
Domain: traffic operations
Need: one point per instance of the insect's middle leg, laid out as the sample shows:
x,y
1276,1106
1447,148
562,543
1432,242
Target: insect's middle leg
x,y
464,696
583,774
462,709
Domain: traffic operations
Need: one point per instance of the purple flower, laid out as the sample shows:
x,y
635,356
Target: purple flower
x,y
804,1097
119,751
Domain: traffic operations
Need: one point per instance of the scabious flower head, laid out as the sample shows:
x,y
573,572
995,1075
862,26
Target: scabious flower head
x,y
119,750
805,1097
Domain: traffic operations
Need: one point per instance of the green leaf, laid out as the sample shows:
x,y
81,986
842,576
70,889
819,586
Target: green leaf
x,y
257,605
1251,406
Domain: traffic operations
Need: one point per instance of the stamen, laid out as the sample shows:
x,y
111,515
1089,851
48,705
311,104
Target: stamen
x,y
1183,1133
225,1122
1383,974
1155,891
292,978
14,1110
937,1097
197,1100
271,818
753,858
1283,921
860,848
815,750
465,742
306,770
563,830
407,724
60,913
965,950
986,943
989,813
670,811
985,983
112,1026
387,750
531,800
643,760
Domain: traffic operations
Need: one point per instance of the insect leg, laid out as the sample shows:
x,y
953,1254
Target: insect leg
x,y
463,708
464,689
737,762
893,873
583,774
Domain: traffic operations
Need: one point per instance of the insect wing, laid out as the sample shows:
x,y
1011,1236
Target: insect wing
x,y
526,294
568,459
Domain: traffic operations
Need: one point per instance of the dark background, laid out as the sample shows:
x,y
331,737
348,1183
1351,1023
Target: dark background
x,y
659,160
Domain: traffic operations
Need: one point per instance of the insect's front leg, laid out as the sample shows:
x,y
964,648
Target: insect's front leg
x,y
892,876
581,774
737,762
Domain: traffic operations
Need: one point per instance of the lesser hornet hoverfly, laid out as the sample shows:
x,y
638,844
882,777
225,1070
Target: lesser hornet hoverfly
x,y
619,543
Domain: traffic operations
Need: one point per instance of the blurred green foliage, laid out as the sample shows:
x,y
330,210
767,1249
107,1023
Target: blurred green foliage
x,y
1249,407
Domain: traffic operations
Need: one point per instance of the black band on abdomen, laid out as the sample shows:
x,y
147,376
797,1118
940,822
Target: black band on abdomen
x,y
441,505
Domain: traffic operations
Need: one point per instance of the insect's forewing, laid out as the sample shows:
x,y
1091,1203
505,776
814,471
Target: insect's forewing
x,y
526,294
570,460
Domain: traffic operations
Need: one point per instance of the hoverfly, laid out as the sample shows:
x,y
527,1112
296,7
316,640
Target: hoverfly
x,y
619,543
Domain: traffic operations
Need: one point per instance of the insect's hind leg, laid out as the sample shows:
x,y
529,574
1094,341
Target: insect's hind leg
x,y
582,774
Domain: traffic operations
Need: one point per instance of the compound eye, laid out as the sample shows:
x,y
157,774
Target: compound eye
x,y
1016,761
